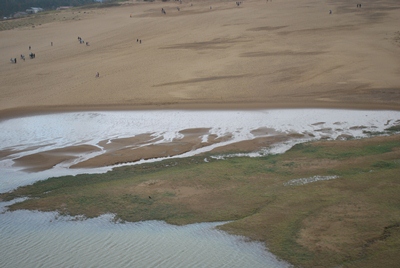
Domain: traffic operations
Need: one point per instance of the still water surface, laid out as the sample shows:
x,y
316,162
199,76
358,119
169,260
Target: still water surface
x,y
33,239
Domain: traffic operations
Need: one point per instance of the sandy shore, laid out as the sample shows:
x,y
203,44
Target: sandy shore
x,y
259,55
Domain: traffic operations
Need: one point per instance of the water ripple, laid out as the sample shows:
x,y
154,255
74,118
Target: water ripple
x,y
46,239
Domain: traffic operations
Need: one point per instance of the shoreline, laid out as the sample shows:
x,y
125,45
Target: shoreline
x,y
42,110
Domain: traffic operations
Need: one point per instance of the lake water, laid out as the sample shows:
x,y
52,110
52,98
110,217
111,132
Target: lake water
x,y
35,239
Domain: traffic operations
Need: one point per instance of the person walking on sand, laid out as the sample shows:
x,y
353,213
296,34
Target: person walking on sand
x,y
97,75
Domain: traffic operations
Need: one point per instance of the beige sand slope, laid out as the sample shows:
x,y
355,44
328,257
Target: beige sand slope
x,y
263,54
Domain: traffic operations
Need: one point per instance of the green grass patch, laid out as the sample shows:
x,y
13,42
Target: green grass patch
x,y
338,152
394,128
385,164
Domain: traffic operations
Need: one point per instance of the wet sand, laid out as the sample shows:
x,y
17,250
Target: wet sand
x,y
129,152
280,54
90,140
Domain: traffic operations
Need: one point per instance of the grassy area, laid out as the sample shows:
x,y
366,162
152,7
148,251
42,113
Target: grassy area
x,y
41,18
353,220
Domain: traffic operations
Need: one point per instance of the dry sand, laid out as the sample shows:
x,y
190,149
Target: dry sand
x,y
263,54
282,53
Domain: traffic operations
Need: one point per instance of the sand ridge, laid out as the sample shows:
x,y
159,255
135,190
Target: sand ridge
x,y
259,55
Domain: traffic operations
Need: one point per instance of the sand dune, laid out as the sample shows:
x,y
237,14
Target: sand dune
x,y
259,55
